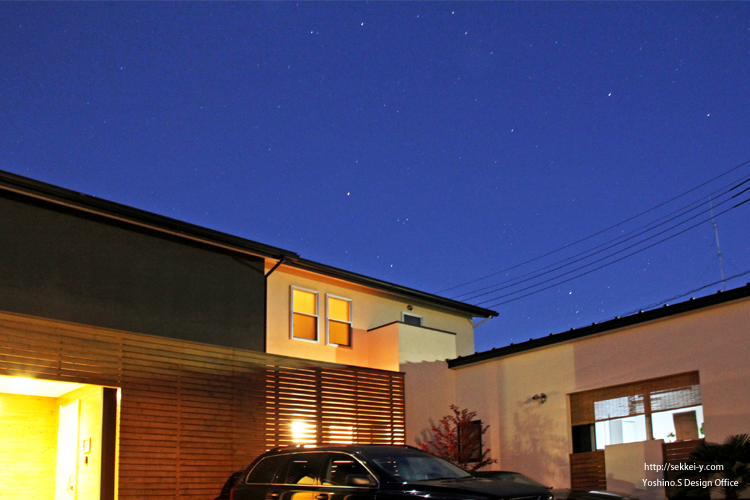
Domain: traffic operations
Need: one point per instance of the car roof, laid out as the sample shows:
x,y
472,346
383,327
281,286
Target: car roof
x,y
352,448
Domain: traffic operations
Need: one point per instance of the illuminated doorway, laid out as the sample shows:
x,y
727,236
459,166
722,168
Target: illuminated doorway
x,y
58,439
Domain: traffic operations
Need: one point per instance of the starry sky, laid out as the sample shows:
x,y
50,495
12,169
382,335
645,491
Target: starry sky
x,y
556,162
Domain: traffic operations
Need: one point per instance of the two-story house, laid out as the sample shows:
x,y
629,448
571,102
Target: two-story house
x,y
143,357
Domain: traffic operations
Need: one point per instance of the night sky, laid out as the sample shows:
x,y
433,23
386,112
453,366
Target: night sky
x,y
427,144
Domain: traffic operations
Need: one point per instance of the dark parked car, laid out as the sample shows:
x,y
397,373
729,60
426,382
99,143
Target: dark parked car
x,y
579,494
362,472
228,485
515,477
560,494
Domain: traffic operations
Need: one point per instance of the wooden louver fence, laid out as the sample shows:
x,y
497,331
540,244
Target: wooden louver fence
x,y
587,471
191,414
324,405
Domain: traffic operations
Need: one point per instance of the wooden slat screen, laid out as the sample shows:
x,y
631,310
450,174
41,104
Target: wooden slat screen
x,y
587,471
646,396
191,413
676,453
333,405
679,452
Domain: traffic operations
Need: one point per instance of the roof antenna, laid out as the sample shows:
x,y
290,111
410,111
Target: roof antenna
x,y
718,246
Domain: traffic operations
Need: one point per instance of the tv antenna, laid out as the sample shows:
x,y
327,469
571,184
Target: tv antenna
x,y
718,245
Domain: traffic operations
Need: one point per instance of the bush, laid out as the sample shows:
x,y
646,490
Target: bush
x,y
457,438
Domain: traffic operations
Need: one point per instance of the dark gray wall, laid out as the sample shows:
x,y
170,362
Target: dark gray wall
x,y
59,263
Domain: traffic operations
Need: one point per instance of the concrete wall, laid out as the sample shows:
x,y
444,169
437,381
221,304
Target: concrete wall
x,y
535,439
370,309
65,264
28,446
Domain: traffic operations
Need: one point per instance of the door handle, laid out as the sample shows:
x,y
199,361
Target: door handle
x,y
321,496
274,495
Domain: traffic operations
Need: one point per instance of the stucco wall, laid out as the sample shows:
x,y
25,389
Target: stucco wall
x,y
535,439
370,309
430,389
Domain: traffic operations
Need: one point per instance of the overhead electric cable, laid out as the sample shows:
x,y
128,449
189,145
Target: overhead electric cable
x,y
665,301
517,280
598,232
604,265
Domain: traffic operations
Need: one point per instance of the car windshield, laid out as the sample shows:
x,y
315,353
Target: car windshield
x,y
413,465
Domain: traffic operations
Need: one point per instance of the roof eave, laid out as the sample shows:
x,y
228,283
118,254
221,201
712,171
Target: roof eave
x,y
614,324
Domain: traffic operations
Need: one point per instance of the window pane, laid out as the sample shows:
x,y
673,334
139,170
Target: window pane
x,y
339,333
301,469
265,470
305,327
305,302
412,320
338,309
339,467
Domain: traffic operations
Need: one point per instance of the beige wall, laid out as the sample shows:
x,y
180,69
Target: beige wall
x,y
28,446
535,439
89,427
370,309
430,389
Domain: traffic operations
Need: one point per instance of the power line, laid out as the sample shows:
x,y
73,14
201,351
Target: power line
x,y
600,267
643,230
598,232
654,304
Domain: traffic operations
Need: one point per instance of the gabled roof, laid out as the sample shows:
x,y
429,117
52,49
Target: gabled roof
x,y
141,218
614,324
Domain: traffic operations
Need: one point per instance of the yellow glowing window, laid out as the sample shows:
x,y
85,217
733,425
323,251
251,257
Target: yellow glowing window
x,y
339,321
304,315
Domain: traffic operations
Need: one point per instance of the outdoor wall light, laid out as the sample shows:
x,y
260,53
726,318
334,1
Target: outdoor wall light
x,y
539,397
409,307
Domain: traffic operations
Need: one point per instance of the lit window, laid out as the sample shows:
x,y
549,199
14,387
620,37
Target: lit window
x,y
304,315
339,321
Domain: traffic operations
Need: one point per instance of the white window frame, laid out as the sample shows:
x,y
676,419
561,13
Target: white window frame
x,y
406,313
351,321
292,311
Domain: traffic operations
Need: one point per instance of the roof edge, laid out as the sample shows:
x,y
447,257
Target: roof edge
x,y
116,211
386,286
110,209
613,324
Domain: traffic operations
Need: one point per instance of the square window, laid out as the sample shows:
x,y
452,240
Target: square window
x,y
304,315
339,311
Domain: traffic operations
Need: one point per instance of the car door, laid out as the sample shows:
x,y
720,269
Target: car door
x,y
343,477
297,478
255,485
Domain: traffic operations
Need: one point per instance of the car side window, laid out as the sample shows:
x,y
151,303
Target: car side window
x,y
343,470
265,470
301,468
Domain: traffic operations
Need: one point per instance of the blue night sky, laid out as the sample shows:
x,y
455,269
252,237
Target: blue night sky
x,y
426,144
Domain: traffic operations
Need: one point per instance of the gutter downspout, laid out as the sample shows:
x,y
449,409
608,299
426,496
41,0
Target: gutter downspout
x,y
265,302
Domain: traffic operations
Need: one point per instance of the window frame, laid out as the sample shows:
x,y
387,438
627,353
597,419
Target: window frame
x,y
405,313
350,322
473,427
292,312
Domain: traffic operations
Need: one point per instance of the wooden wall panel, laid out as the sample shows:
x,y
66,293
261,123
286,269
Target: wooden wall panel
x,y
28,445
587,471
191,414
